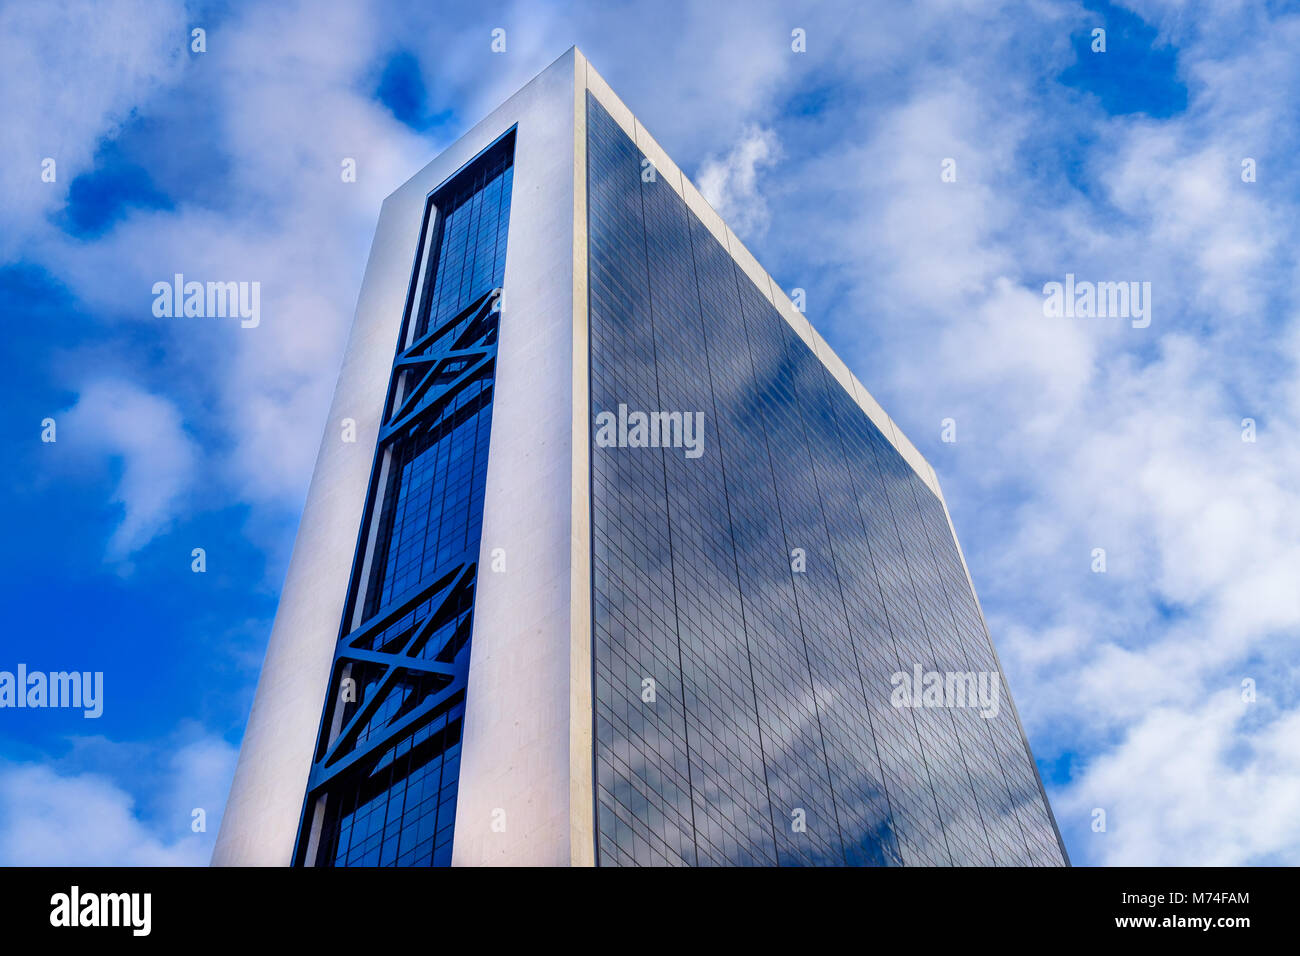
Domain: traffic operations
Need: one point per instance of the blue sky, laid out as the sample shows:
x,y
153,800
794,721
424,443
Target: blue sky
x,y
1071,434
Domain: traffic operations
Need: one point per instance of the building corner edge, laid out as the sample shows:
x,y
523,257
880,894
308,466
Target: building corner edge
x,y
582,806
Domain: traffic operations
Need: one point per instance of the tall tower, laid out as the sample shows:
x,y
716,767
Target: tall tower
x,y
624,566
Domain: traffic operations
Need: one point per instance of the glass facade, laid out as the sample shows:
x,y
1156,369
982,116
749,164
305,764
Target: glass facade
x,y
382,790
754,605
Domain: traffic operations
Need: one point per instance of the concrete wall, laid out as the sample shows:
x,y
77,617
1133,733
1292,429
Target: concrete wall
x,y
515,764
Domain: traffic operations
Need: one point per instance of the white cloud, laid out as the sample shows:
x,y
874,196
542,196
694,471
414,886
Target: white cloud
x,y
94,818
158,458
1195,785
73,72
730,183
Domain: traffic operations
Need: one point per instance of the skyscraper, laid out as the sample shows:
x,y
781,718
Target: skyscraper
x,y
608,559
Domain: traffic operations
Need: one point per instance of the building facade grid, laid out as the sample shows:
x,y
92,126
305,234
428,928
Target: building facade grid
x,y
771,737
